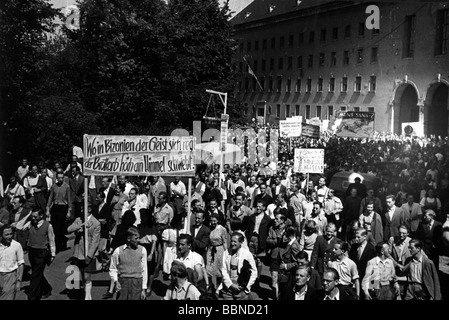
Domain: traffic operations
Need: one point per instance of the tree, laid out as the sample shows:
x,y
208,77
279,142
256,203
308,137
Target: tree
x,y
23,29
145,65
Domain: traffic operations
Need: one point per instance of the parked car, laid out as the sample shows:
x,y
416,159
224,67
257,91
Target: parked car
x,y
340,182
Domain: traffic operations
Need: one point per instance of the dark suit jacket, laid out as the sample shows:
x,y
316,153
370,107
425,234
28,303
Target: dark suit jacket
x,y
391,226
368,253
322,253
283,190
250,223
430,279
77,188
394,243
106,214
315,280
288,254
111,194
432,239
201,241
289,294
21,236
343,295
290,214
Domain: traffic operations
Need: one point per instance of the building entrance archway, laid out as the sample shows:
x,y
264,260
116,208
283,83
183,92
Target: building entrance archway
x,y
436,106
406,106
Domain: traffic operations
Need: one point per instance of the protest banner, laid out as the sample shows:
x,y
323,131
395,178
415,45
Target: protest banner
x,y
355,124
290,128
139,155
309,130
308,160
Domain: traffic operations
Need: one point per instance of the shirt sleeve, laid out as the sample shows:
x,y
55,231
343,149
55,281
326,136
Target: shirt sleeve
x,y
19,255
51,240
366,278
165,235
183,189
354,272
113,272
144,268
224,271
50,198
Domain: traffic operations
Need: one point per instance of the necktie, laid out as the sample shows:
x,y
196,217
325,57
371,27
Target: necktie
x,y
359,251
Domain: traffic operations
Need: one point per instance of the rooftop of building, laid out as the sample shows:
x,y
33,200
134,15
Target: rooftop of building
x,y
263,9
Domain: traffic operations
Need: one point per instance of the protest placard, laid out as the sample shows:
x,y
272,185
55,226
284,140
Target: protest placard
x,y
290,128
355,124
139,155
309,130
308,160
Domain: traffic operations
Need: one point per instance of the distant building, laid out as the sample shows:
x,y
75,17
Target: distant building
x,y
314,58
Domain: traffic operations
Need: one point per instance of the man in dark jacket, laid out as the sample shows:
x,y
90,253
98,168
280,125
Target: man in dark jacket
x,y
351,209
424,285
300,288
257,226
361,252
431,234
323,249
200,234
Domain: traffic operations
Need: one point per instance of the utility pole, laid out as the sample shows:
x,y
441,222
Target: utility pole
x,y
223,131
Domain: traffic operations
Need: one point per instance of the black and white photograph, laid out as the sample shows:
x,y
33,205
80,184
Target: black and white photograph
x,y
233,151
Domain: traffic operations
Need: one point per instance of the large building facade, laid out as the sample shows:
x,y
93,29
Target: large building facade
x,y
315,58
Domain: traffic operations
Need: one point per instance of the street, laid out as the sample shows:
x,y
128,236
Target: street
x,y
56,276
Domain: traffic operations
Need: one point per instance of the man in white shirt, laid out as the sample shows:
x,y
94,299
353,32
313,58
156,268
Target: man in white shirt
x,y
347,271
322,190
180,287
330,280
250,188
128,185
235,182
14,189
237,262
131,204
199,186
319,217
23,169
380,282
177,192
11,264
129,268
193,261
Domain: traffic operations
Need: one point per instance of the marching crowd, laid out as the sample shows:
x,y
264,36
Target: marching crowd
x,y
382,242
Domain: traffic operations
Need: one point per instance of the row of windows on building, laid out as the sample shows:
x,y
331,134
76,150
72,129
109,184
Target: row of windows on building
x,y
301,38
441,36
307,111
310,61
263,84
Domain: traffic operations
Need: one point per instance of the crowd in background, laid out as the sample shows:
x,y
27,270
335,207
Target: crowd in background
x,y
317,243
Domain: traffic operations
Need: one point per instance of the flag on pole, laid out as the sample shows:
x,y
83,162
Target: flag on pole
x,y
251,72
